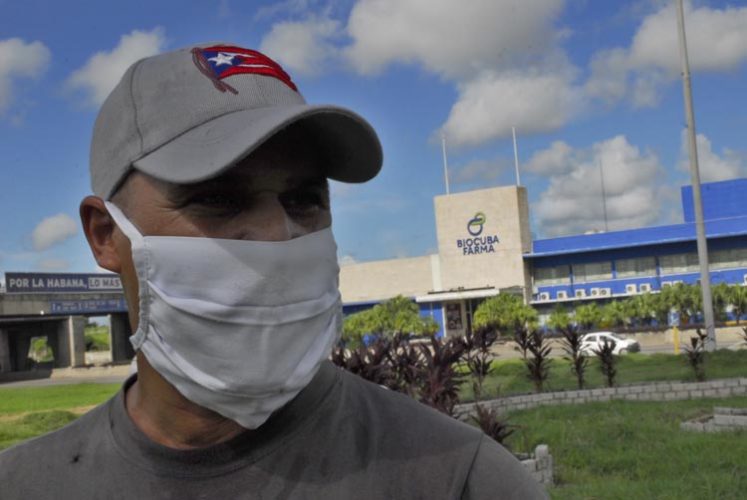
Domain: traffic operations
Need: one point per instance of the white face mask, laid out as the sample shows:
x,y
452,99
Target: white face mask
x,y
239,327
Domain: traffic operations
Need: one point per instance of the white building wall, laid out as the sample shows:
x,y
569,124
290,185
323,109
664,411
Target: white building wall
x,y
499,264
384,279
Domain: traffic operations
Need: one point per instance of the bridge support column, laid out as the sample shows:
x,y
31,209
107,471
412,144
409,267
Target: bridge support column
x,y
120,332
4,352
71,342
19,347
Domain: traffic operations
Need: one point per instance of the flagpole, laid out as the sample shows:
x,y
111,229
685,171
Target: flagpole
x,y
516,157
446,163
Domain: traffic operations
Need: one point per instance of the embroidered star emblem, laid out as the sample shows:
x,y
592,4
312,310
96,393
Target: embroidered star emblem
x,y
222,58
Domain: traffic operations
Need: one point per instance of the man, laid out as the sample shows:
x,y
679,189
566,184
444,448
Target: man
x,y
210,175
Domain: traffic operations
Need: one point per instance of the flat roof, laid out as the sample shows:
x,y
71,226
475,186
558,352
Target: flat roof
x,y
655,235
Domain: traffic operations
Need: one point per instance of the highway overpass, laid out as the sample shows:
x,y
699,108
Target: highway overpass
x,y
56,306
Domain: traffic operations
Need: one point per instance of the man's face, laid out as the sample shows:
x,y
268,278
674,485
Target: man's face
x,y
276,194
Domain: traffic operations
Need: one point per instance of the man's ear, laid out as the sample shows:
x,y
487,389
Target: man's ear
x,y
99,229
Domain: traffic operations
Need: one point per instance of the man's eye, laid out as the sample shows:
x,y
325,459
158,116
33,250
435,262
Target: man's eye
x,y
304,202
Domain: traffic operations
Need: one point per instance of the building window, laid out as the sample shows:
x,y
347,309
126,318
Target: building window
x,y
728,259
558,275
679,263
630,268
594,271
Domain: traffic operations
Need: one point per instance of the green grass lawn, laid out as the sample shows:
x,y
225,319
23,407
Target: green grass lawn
x,y
509,376
632,450
26,412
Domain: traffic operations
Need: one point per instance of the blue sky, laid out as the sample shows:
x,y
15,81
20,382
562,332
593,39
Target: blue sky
x,y
588,85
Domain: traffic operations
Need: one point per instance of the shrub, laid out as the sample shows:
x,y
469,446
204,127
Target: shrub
x,y
695,354
521,337
478,356
492,424
538,365
607,361
369,362
572,346
439,381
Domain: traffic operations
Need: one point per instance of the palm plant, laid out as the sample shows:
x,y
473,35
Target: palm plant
x,y
572,347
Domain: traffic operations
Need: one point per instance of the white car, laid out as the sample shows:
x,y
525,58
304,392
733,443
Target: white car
x,y
594,341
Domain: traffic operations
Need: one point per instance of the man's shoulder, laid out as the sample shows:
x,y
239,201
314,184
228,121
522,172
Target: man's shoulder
x,y
428,447
62,445
383,410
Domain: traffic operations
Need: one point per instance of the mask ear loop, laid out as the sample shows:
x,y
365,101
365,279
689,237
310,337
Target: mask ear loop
x,y
140,260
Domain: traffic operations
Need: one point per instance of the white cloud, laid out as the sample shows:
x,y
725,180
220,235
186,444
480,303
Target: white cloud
x,y
102,71
716,41
503,56
573,201
491,104
19,59
454,39
302,47
482,171
712,166
53,230
558,158
285,7
53,265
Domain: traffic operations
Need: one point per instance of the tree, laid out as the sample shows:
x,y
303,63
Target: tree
x,y
641,309
738,300
588,316
506,312
355,326
559,318
398,315
614,314
685,299
660,307
721,294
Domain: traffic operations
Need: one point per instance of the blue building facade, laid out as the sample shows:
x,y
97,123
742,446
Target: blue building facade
x,y
624,263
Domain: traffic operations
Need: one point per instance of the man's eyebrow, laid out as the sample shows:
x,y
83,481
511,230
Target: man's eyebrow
x,y
229,182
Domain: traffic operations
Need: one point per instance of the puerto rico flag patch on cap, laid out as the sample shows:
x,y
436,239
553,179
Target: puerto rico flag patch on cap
x,y
221,61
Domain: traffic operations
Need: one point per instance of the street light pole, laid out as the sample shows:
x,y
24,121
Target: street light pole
x,y
705,280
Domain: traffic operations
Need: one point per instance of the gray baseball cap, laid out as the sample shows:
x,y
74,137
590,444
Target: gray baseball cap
x,y
188,115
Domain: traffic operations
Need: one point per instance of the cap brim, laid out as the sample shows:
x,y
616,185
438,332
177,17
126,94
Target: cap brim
x,y
349,145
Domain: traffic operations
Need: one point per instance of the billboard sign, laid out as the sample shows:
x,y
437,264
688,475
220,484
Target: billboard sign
x,y
87,306
61,282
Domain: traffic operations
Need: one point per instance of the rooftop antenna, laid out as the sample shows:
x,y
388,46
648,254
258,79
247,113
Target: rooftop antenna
x,y
446,163
705,281
516,157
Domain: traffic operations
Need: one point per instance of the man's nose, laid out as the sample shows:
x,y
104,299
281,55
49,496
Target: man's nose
x,y
267,220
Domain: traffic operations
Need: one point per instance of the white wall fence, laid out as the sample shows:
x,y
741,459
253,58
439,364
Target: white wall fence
x,y
654,391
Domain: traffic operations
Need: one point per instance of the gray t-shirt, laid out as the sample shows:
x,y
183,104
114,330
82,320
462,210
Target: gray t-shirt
x,y
341,438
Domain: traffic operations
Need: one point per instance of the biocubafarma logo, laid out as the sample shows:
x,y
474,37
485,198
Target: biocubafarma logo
x,y
477,244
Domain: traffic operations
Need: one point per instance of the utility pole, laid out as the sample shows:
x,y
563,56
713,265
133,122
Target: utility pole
x,y
446,164
705,280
